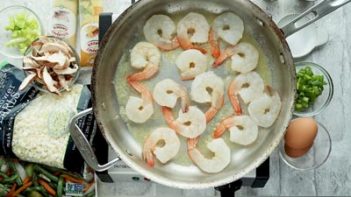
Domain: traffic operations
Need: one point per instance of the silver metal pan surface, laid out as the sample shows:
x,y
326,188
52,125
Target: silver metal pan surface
x,y
106,105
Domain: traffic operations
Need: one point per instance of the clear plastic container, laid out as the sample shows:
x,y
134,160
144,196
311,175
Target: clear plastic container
x,y
325,98
5,35
40,86
316,156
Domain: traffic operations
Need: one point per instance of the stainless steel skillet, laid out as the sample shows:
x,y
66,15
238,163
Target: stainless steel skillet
x,y
106,107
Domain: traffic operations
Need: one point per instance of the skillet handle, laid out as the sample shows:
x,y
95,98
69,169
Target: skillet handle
x,y
83,144
317,11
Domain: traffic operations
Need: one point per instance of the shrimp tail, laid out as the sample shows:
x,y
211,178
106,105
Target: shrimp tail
x,y
147,73
227,53
219,131
210,114
234,100
148,157
215,49
236,106
218,102
139,87
167,114
223,126
186,44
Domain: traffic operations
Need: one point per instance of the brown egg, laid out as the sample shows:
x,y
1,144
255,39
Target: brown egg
x,y
300,133
296,152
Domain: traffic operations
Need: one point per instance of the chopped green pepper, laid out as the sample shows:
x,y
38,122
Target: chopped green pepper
x,y
309,87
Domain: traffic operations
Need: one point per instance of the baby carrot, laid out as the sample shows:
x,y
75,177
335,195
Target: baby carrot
x,y
22,188
47,187
72,179
12,190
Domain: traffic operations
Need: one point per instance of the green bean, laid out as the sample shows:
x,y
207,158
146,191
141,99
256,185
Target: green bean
x,y
46,173
52,169
35,179
18,178
11,179
29,170
44,177
3,190
4,175
60,187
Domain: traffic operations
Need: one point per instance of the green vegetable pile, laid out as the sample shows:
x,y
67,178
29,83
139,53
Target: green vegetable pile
x,y
24,30
33,180
309,87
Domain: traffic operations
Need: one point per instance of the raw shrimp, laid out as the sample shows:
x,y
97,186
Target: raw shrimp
x,y
208,88
190,124
167,92
229,27
191,63
145,56
221,155
193,28
214,44
224,55
244,57
160,30
249,86
243,130
139,110
265,109
165,152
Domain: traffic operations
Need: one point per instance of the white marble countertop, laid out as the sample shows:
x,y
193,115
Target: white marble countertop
x,y
334,177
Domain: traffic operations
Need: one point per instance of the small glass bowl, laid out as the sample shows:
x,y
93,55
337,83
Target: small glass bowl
x,y
39,85
5,35
316,156
325,98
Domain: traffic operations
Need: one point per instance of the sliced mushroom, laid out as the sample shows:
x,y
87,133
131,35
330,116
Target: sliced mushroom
x,y
54,59
39,72
48,64
59,58
67,71
51,64
27,80
50,83
63,82
52,47
62,67
29,63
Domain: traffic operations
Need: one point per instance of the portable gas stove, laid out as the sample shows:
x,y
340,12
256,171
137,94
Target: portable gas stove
x,y
123,173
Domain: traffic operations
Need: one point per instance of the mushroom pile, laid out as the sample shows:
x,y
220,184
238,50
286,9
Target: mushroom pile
x,y
51,63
